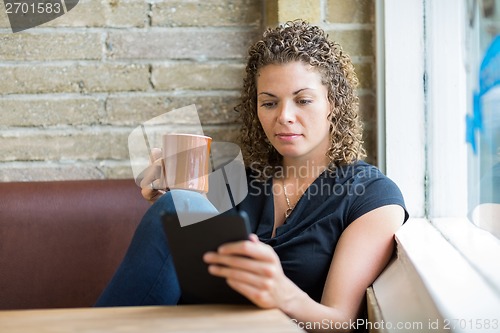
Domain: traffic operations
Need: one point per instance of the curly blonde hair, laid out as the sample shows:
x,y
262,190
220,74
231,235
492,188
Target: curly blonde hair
x,y
300,41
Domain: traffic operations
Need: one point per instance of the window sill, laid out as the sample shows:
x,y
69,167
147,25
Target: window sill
x,y
478,247
431,286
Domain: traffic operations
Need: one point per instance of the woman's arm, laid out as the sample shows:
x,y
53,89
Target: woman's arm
x,y
362,252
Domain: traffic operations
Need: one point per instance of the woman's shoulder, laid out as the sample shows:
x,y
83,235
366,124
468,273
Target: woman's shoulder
x,y
359,170
372,189
368,177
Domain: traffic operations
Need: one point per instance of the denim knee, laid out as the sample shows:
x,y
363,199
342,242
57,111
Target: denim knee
x,y
182,201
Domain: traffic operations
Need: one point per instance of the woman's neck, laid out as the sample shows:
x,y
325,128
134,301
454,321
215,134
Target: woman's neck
x,y
303,169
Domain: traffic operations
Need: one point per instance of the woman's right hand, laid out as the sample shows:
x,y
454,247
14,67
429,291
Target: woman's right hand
x,y
153,184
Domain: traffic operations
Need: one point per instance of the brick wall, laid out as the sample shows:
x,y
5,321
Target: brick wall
x,y
352,24
72,89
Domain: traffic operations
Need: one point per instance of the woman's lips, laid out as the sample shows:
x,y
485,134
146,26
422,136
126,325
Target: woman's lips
x,y
288,136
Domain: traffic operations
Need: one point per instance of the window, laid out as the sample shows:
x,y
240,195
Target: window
x,y
425,82
483,119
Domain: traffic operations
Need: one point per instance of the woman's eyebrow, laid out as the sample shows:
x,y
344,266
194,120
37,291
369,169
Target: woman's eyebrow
x,y
298,91
294,93
266,93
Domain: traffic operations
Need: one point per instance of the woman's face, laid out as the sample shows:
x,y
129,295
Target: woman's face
x,y
293,106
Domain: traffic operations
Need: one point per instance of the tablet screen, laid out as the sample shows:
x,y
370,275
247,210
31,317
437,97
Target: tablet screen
x,y
188,244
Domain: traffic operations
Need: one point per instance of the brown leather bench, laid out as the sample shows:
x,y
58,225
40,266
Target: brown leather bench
x,y
61,241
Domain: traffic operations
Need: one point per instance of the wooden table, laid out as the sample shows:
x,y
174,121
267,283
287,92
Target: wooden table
x,y
150,319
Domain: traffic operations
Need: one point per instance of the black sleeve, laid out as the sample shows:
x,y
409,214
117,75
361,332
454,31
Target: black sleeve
x,y
374,192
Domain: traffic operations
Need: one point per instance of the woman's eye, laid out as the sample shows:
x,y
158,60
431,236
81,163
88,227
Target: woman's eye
x,y
304,101
267,105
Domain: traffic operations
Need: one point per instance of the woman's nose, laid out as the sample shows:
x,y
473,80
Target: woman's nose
x,y
286,114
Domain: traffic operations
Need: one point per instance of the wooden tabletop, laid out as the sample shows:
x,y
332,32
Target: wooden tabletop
x,y
151,319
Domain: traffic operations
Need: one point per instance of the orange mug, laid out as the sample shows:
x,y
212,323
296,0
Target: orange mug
x,y
187,161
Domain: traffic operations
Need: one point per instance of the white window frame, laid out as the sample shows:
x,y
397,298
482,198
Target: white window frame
x,y
447,269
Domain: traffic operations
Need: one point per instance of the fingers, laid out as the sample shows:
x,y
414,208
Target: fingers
x,y
257,275
156,153
153,181
241,277
241,263
257,289
152,174
251,268
253,249
151,194
256,294
254,238
246,256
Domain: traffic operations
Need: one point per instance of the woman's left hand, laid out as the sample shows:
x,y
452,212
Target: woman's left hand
x,y
253,269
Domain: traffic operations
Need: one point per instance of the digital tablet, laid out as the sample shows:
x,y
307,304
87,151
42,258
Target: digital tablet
x,y
189,243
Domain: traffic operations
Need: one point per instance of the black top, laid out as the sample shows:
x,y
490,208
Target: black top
x,y
306,242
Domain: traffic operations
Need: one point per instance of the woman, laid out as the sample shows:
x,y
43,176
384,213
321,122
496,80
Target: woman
x,y
323,220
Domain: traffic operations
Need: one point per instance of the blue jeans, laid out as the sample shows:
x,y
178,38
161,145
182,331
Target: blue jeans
x,y
147,275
